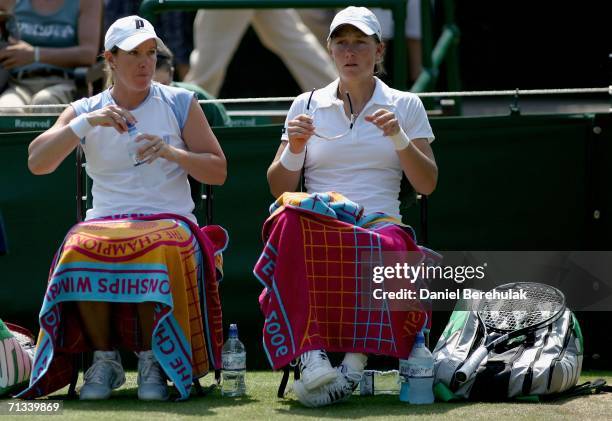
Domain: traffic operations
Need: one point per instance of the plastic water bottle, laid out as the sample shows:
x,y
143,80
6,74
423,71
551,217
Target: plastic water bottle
x,y
234,365
417,373
149,175
403,379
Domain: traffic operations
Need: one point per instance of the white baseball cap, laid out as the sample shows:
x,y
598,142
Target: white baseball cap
x,y
360,17
129,32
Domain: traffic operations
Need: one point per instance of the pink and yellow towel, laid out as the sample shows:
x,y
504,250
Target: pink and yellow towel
x,y
164,259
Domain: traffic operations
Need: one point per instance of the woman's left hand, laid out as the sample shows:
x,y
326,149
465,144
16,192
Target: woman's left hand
x,y
385,120
154,147
16,54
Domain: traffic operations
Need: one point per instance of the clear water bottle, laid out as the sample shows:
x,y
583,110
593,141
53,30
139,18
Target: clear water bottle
x,y
234,365
403,379
417,374
149,175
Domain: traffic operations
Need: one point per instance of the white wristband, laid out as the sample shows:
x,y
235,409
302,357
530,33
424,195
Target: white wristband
x,y
36,54
292,161
400,140
80,126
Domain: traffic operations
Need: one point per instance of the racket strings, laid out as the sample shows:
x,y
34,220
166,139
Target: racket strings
x,y
540,305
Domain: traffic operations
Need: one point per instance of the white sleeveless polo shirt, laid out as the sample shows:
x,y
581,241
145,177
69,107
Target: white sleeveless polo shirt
x,y
116,189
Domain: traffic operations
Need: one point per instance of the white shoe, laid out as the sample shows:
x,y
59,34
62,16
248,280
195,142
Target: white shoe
x,y
152,384
338,391
315,369
104,375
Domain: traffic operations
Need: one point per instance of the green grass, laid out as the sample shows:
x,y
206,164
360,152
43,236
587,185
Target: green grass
x,y
261,403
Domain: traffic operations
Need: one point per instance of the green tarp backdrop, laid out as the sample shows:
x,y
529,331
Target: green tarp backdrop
x,y
506,183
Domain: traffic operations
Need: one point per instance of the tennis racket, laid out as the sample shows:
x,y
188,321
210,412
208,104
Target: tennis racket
x,y
506,319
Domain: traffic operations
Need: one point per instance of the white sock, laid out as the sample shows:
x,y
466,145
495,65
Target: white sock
x,y
355,361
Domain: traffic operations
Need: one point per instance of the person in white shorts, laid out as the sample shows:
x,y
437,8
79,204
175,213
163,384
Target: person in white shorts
x,y
317,20
217,34
412,31
353,133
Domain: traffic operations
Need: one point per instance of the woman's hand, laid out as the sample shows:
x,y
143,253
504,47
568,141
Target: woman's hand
x,y
111,116
16,54
299,130
154,147
385,120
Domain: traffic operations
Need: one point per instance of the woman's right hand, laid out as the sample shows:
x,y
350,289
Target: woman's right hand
x,y
111,116
299,130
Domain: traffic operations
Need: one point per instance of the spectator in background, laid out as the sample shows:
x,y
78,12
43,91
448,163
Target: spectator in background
x,y
175,27
317,20
54,37
217,34
413,35
164,73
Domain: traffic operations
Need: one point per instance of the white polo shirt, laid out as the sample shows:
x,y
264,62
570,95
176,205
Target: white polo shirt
x,y
363,165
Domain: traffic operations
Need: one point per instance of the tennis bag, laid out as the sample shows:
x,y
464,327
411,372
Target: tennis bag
x,y
545,362
16,355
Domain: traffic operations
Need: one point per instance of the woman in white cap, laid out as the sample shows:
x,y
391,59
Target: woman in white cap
x,y
175,136
358,137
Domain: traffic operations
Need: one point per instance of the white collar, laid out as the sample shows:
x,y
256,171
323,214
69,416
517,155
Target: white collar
x,y
327,96
154,87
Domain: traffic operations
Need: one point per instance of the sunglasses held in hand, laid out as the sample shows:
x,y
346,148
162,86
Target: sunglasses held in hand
x,y
310,113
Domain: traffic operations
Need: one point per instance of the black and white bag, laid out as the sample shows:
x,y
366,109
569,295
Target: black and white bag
x,y
545,362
